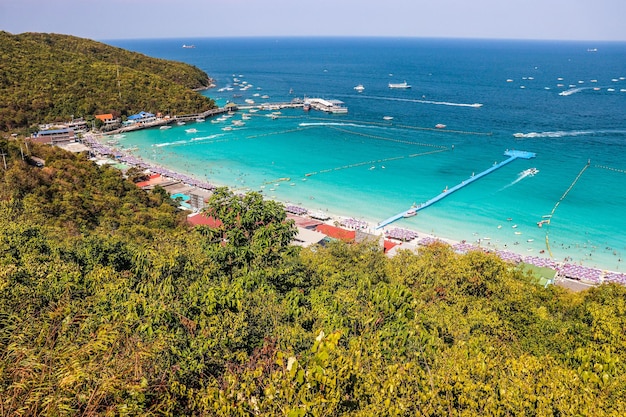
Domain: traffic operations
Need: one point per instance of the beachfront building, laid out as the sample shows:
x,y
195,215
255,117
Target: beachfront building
x,y
108,119
141,118
53,136
77,125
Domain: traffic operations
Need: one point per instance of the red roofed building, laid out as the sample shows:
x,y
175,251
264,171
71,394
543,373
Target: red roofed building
x,y
105,118
336,232
304,222
154,179
200,219
388,245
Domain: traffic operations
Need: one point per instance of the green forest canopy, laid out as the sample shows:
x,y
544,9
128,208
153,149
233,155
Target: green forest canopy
x,y
111,305
50,77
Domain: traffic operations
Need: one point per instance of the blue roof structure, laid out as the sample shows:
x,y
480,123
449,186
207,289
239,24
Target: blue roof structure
x,y
140,115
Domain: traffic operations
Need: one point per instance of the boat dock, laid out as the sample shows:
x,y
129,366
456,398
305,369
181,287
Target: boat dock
x,y
512,155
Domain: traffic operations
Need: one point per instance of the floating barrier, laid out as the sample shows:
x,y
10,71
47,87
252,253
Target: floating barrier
x,y
375,161
621,171
559,202
408,142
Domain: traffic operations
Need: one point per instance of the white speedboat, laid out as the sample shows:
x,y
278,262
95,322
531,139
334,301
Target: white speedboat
x,y
359,88
387,117
403,85
410,213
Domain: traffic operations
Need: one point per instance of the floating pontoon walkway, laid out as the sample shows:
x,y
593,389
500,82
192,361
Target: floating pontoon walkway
x,y
512,154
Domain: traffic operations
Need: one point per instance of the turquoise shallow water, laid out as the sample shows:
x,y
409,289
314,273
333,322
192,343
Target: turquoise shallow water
x,y
366,167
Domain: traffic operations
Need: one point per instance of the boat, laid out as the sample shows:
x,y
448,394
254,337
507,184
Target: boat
x,y
192,130
200,120
440,126
165,127
189,46
410,213
403,85
387,117
530,172
180,123
359,88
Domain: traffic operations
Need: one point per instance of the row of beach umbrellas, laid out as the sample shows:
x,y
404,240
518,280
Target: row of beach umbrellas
x,y
101,149
401,234
353,223
299,211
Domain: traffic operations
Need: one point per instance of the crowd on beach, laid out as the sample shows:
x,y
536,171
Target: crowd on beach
x,y
564,270
131,160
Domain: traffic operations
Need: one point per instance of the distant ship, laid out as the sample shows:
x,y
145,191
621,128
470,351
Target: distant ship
x,y
399,85
189,46
359,88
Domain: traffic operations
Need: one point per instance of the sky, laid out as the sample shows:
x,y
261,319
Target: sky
x,y
593,20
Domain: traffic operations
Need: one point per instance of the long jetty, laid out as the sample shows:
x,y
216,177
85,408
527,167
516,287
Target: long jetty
x,y
512,155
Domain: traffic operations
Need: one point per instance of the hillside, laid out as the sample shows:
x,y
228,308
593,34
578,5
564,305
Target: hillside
x,y
111,305
49,77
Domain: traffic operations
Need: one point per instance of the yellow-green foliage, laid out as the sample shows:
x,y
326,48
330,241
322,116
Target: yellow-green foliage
x,y
110,306
49,77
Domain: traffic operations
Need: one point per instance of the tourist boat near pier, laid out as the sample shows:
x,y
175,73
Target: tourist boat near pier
x,y
328,106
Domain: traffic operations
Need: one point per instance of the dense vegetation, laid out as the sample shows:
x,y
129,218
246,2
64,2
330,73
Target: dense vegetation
x,y
49,77
110,305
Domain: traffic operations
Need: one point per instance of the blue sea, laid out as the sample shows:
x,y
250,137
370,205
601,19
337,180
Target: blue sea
x,y
564,101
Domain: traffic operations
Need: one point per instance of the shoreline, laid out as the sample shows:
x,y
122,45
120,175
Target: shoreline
x,y
576,271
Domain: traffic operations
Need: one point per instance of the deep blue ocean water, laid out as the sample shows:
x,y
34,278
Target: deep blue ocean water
x,y
565,101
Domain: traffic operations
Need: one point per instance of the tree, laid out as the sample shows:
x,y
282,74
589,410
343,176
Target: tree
x,y
253,231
